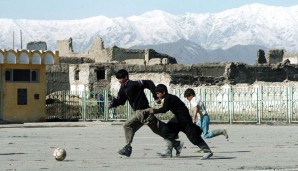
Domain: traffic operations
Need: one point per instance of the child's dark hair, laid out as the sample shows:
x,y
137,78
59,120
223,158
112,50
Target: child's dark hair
x,y
122,73
189,92
161,88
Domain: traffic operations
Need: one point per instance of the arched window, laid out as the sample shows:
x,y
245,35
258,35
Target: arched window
x,y
36,59
24,58
11,58
1,58
49,59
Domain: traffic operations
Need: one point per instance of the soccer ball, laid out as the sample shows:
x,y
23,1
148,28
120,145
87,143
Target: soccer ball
x,y
59,154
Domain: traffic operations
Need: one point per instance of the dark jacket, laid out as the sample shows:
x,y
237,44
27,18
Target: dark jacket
x,y
176,106
133,91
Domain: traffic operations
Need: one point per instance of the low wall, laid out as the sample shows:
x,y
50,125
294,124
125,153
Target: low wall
x,y
178,74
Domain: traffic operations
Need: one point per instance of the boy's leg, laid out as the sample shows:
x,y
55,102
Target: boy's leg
x,y
169,134
218,132
174,126
130,127
193,133
157,126
167,153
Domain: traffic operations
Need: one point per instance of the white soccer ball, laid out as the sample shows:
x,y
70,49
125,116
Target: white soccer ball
x,y
59,154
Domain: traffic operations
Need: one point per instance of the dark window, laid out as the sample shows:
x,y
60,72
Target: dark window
x,y
22,96
100,75
34,75
8,75
77,75
21,75
36,96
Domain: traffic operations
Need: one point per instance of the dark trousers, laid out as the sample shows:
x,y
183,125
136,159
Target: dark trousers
x,y
134,123
191,130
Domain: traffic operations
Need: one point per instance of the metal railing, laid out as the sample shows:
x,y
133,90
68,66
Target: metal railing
x,y
226,104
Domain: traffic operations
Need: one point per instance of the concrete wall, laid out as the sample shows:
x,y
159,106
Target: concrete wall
x,y
171,75
292,72
274,56
57,77
121,54
157,78
185,75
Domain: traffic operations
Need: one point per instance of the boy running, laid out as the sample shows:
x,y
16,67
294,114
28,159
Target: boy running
x,y
184,122
199,107
133,92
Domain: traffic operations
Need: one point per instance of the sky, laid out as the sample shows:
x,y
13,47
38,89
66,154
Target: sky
x,y
80,9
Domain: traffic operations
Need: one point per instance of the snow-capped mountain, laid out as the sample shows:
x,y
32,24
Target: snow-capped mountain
x,y
187,52
250,25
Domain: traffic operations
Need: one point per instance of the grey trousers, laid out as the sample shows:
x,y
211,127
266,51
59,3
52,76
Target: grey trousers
x,y
133,124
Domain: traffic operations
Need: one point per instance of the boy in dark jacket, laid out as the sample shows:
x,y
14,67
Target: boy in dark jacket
x,y
133,91
184,122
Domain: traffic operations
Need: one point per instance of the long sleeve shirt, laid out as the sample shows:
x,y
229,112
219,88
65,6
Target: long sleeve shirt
x,y
133,91
176,106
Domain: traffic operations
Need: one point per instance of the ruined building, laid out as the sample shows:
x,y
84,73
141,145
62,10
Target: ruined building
x,y
99,54
95,68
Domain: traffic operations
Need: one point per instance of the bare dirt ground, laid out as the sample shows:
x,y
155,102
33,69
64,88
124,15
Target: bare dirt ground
x,y
93,146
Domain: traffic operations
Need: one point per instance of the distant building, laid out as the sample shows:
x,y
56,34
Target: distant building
x,y
23,84
37,45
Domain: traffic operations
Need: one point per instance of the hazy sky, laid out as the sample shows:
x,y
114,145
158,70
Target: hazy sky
x,y
79,9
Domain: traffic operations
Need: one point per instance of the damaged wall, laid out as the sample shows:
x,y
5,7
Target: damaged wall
x,y
96,76
99,54
95,68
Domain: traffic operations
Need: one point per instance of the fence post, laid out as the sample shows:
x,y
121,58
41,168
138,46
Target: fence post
x,y
63,99
261,104
230,104
84,105
258,109
289,103
105,109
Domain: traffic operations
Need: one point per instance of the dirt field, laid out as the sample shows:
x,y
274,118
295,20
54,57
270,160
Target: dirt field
x,y
93,146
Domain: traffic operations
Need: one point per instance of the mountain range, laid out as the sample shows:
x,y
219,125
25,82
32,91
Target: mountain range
x,y
231,35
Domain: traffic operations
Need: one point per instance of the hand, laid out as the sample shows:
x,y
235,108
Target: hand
x,y
148,118
151,111
194,120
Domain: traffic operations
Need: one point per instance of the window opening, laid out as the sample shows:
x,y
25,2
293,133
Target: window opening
x,y
77,75
100,75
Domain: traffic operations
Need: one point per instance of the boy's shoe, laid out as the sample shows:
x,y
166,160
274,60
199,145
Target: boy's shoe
x,y
126,151
207,155
178,145
165,154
